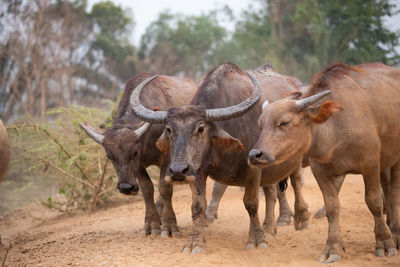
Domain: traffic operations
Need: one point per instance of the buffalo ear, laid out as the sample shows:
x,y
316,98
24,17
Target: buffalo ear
x,y
163,143
223,140
325,111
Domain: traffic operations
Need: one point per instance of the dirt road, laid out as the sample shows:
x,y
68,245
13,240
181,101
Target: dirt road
x,y
112,237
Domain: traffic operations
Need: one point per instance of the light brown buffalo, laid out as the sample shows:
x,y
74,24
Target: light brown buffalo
x,y
363,139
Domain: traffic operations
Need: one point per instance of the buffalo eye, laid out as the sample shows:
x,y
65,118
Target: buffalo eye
x,y
284,123
168,130
201,129
134,154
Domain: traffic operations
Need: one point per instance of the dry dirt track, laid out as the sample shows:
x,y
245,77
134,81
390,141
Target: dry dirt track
x,y
112,237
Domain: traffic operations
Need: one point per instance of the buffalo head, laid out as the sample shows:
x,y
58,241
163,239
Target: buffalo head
x,y
286,127
123,147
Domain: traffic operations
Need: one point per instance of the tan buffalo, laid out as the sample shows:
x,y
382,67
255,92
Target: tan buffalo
x,y
363,138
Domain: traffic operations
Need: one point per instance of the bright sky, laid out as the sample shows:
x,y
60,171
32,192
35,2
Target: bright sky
x,y
146,11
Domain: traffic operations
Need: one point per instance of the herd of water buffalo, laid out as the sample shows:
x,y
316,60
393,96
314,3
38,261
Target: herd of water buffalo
x,y
258,128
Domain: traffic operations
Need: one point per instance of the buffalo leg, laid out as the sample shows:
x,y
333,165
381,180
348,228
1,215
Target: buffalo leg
x,y
338,182
212,209
168,218
285,213
301,214
395,203
197,241
250,200
373,198
152,218
269,226
334,245
385,183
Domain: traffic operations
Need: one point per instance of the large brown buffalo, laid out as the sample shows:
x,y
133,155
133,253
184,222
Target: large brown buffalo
x,y
363,139
130,144
210,137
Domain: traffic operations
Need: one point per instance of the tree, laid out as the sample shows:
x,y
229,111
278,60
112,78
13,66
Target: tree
x,y
183,45
54,53
301,43
42,46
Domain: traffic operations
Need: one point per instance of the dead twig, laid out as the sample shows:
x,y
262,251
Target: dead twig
x,y
5,256
98,186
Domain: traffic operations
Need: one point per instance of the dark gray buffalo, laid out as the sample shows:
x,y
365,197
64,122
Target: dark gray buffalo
x,y
362,139
130,143
210,137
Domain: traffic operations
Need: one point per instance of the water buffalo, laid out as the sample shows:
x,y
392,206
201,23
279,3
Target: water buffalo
x,y
363,138
210,138
5,154
5,150
130,144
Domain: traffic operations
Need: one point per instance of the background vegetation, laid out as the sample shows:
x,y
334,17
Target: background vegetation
x,y
57,54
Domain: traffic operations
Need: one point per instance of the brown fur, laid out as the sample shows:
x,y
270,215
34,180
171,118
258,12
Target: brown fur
x,y
5,151
363,138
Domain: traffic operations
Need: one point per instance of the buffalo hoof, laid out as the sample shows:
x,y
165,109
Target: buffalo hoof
x,y
198,250
250,246
148,231
155,231
380,252
186,250
321,213
331,259
301,221
174,234
262,245
195,250
283,220
332,253
164,234
386,247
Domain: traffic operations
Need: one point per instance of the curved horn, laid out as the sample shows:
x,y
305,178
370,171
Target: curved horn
x,y
305,102
140,131
221,114
140,111
95,135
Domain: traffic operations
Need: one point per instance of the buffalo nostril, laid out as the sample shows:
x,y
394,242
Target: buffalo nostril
x,y
255,153
124,188
178,168
135,188
184,171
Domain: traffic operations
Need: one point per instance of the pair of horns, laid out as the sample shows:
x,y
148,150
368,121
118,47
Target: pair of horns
x,y
99,137
217,114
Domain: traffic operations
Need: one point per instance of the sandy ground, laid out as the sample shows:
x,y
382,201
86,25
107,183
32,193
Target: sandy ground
x,y
112,237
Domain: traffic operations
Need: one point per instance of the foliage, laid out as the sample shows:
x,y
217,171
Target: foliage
x,y
183,45
301,43
55,53
65,153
